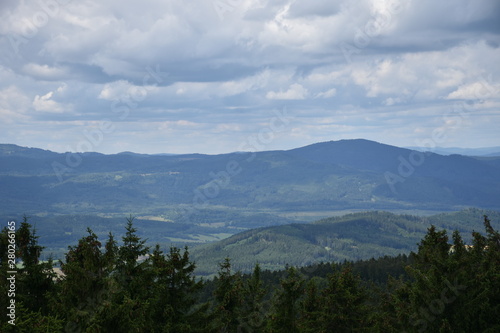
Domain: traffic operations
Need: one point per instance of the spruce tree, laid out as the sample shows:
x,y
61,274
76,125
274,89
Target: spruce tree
x,y
131,283
311,308
253,312
227,299
36,278
287,303
34,281
84,287
453,287
343,304
175,292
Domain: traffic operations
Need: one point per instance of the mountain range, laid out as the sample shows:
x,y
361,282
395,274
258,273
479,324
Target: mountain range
x,y
195,198
478,152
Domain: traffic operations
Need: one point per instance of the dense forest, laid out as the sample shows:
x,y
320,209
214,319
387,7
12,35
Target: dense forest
x,y
111,286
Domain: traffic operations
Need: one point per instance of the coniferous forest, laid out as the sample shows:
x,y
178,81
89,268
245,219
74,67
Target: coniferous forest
x,y
121,285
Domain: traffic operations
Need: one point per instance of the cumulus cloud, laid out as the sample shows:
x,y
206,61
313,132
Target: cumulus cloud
x,y
476,90
296,91
45,103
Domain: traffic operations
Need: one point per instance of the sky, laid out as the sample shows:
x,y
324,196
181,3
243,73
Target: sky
x,y
217,76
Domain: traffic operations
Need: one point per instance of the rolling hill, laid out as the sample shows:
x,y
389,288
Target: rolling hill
x,y
201,197
350,237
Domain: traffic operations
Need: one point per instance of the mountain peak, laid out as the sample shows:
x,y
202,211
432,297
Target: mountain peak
x,y
357,153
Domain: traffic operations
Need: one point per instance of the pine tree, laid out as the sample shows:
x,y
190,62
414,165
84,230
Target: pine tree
x,y
84,288
311,308
453,288
227,299
33,281
36,278
175,292
286,304
130,285
343,304
252,316
131,265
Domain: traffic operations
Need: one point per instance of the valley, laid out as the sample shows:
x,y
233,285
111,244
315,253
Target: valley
x,y
197,199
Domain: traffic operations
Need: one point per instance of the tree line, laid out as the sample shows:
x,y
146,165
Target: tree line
x,y
446,286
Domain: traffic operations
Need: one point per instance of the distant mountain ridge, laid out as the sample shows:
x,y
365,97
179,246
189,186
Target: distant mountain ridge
x,y
369,161
480,152
208,195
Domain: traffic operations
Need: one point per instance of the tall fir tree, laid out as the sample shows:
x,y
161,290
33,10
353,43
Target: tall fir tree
x,y
131,283
175,292
228,298
34,281
253,310
343,304
286,307
84,287
37,279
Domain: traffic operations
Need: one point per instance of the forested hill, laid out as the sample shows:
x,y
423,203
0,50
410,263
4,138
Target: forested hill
x,y
350,237
327,176
196,198
118,284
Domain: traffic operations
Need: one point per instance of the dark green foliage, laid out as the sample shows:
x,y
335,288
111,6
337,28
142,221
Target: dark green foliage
x,y
84,290
124,288
453,287
36,277
33,322
350,237
447,287
34,281
131,265
228,299
343,305
285,312
173,302
253,310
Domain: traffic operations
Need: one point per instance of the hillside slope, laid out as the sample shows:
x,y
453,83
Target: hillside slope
x,y
239,191
351,237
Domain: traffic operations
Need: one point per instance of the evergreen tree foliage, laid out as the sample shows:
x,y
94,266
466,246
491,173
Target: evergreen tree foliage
x,y
311,308
285,313
175,292
129,268
34,281
253,310
447,286
453,287
84,288
228,298
343,304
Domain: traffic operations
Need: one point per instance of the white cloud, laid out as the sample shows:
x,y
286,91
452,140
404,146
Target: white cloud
x,y
14,106
115,90
296,91
476,90
46,102
327,94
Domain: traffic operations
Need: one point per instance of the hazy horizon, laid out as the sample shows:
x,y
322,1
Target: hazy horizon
x,y
433,149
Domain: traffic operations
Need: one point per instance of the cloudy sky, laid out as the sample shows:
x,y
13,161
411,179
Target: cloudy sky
x,y
214,76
